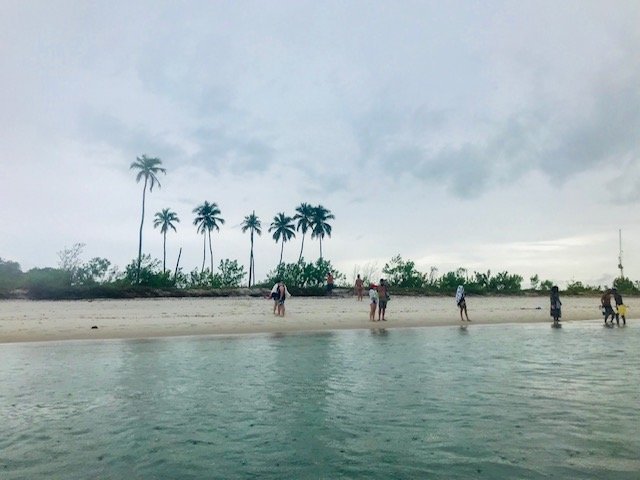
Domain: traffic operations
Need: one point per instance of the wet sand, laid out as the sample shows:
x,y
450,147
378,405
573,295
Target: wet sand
x,y
27,321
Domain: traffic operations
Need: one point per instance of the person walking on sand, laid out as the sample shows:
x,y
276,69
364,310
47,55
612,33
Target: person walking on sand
x,y
383,298
359,288
461,302
556,305
373,300
621,308
607,309
330,283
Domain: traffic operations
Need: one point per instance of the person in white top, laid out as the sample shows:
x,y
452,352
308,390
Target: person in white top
x,y
283,294
373,298
274,296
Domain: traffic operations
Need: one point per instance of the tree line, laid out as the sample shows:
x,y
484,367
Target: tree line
x,y
208,217
97,277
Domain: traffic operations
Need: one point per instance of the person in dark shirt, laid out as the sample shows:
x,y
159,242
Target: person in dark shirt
x,y
556,305
607,309
621,308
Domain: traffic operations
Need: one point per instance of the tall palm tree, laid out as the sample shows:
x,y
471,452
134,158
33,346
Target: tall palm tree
x,y
319,224
148,168
304,216
282,228
253,224
165,219
207,218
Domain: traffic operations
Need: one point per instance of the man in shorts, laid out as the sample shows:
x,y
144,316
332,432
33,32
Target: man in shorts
x,y
330,283
383,298
607,309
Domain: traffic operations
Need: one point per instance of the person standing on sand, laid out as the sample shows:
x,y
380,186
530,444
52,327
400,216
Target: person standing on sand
x,y
383,298
330,283
283,293
556,305
274,296
607,309
621,308
373,299
359,288
461,302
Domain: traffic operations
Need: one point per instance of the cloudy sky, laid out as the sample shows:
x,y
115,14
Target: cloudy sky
x,y
486,135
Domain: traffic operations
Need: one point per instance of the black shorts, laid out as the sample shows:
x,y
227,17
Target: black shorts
x,y
275,295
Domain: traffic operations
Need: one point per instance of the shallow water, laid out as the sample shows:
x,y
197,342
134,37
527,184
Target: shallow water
x,y
501,401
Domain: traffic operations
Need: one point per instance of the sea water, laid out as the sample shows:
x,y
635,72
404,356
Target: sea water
x,y
495,402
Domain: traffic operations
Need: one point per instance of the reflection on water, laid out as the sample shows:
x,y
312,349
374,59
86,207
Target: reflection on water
x,y
380,332
489,401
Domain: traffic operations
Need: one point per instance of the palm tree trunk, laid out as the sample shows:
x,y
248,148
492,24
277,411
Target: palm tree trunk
x,y
144,193
281,250
251,259
301,246
175,274
211,252
164,253
204,249
320,248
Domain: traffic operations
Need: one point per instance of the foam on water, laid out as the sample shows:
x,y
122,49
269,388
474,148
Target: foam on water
x,y
489,402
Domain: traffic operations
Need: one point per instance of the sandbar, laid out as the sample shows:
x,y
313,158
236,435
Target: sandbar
x,y
35,321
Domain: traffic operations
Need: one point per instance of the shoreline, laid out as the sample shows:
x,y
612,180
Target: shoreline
x,y
28,321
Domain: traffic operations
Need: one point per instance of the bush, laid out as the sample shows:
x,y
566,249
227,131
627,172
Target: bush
x,y
403,274
10,275
624,285
304,275
150,274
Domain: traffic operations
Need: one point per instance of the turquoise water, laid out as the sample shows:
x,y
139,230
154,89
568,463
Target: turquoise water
x,y
495,402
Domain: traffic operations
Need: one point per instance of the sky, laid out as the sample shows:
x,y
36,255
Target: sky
x,y
486,135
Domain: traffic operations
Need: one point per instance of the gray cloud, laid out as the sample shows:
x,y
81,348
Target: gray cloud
x,y
107,130
238,152
558,143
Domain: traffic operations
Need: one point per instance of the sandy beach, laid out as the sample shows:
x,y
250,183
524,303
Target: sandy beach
x,y
27,321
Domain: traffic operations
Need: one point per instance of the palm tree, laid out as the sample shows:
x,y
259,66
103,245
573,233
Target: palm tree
x,y
282,228
148,168
164,219
253,224
304,217
319,225
207,218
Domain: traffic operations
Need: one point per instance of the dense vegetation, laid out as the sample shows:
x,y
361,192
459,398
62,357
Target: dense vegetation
x,y
97,278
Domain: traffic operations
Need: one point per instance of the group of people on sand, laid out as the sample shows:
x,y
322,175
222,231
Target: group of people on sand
x,y
605,305
279,294
607,308
378,298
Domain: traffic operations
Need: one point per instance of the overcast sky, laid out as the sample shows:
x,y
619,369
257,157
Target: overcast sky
x,y
485,135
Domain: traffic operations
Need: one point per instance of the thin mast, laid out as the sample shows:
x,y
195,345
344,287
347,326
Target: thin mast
x,y
620,254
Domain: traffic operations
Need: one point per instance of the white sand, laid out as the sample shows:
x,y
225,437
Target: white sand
x,y
24,320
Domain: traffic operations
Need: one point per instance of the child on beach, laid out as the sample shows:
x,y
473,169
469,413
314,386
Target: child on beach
x,y
461,302
373,299
555,310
